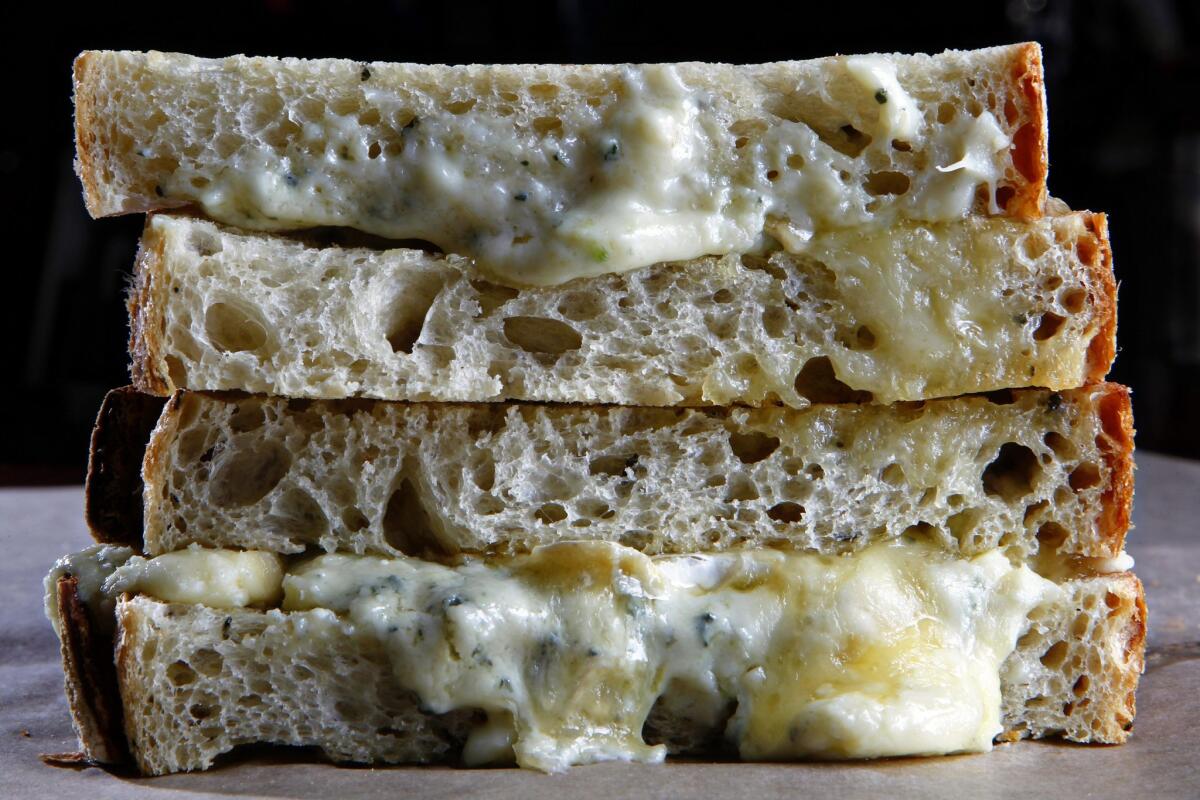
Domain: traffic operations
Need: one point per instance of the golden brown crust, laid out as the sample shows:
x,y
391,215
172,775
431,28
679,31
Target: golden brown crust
x,y
1095,253
113,491
90,679
85,133
146,320
1116,443
1029,151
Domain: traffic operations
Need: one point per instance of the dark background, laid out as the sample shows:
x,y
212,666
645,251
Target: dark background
x,y
1121,78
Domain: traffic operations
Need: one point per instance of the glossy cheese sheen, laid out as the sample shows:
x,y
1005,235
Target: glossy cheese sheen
x,y
90,567
657,176
216,578
893,651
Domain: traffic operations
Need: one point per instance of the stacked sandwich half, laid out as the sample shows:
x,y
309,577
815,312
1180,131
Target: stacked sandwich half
x,y
560,414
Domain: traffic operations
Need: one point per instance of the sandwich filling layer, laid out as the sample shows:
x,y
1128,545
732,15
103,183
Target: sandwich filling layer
x,y
659,174
895,650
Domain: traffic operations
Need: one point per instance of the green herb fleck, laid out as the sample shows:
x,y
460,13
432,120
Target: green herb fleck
x,y
598,253
881,96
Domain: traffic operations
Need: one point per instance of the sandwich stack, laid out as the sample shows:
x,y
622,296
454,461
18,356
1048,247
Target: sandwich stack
x,y
560,414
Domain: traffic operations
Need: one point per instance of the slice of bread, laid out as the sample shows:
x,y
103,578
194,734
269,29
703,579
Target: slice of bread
x,y
1034,471
547,172
908,313
196,682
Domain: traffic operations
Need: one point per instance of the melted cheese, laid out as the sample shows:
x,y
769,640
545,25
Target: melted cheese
x,y
894,651
216,578
90,567
655,176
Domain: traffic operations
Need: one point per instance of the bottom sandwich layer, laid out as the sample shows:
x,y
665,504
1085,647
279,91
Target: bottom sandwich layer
x,y
584,652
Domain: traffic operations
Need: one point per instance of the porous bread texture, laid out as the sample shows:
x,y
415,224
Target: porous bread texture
x,y
156,130
909,313
197,682
1033,471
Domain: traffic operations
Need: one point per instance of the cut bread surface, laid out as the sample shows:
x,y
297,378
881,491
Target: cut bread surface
x,y
1032,471
545,173
197,682
908,313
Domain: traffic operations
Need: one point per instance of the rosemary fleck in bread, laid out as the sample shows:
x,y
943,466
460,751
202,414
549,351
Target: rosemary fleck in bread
x,y
195,682
1030,470
545,173
908,313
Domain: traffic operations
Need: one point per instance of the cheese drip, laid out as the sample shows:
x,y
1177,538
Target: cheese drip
x,y
894,651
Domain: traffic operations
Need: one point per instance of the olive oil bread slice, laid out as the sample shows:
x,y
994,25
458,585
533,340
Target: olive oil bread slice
x,y
1033,471
907,313
546,173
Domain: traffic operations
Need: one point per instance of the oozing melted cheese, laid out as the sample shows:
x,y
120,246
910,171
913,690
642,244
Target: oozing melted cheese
x,y
894,651
216,578
655,176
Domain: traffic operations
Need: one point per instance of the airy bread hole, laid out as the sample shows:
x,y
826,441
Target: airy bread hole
x,y
484,474
543,91
1051,536
248,416
1048,326
886,182
892,475
298,515
581,306
248,474
406,318
1073,300
786,512
180,673
817,383
795,161
1055,655
235,327
1026,151
1034,246
962,525
204,243
740,487
847,140
774,321
354,520
545,126
461,106
752,447
492,295
616,464
542,335
406,524
549,513
1063,447
1012,474
1081,686
176,372
946,113
1085,476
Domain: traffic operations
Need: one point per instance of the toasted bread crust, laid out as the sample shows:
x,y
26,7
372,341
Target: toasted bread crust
x,y
1116,443
1030,142
1096,254
146,320
113,491
90,679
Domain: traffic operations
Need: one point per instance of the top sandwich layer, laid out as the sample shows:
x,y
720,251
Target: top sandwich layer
x,y
547,173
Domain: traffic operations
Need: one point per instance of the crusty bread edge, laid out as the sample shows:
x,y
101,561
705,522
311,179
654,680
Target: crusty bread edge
x,y
1031,141
90,681
85,135
1116,444
156,468
147,320
113,502
1098,262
